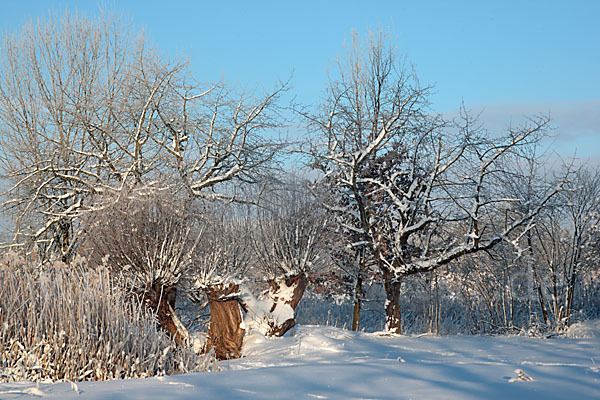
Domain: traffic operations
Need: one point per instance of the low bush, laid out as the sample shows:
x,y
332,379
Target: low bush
x,y
63,322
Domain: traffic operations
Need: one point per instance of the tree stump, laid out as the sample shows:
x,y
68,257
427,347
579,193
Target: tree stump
x,y
280,293
225,333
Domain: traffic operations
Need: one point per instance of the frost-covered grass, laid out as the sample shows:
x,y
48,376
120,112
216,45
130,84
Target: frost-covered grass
x,y
71,323
319,362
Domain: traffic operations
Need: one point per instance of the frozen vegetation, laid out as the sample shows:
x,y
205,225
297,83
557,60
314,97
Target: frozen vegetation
x,y
160,241
71,323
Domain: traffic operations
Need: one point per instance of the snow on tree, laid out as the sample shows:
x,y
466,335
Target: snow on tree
x,y
88,108
74,100
219,266
148,238
288,243
564,243
406,180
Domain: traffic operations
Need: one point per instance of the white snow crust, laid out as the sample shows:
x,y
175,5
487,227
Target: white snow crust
x,y
331,363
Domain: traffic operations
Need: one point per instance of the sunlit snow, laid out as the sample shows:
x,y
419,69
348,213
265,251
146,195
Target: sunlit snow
x,y
331,363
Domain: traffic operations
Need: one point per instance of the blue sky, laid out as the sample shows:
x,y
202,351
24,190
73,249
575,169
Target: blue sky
x,y
507,58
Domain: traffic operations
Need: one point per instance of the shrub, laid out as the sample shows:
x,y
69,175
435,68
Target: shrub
x,y
73,323
144,237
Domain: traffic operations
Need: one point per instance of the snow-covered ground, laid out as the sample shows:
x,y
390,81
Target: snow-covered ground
x,y
330,363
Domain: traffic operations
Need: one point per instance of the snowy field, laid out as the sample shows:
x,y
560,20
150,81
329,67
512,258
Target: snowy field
x,y
331,363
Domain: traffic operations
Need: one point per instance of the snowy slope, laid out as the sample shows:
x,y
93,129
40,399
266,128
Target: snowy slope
x,y
330,363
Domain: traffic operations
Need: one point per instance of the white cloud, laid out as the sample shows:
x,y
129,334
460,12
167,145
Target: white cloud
x,y
575,126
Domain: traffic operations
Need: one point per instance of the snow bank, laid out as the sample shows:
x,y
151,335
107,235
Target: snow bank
x,y
330,363
585,329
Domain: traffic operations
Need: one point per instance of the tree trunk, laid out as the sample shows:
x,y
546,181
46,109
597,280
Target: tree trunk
x,y
299,283
556,299
538,285
569,301
356,315
393,318
161,300
280,294
357,298
358,293
64,239
225,334
542,303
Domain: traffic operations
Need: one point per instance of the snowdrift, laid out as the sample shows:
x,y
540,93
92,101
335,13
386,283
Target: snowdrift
x,y
331,363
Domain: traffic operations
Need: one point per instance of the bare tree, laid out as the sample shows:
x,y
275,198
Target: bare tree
x,y
217,136
347,247
289,243
148,238
581,204
72,113
88,108
220,264
408,180
355,262
563,242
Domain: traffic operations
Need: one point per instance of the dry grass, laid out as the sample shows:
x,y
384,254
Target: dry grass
x,y
67,322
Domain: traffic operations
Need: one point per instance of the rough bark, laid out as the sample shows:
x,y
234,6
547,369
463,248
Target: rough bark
x,y
356,310
225,334
299,283
356,315
393,317
161,300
